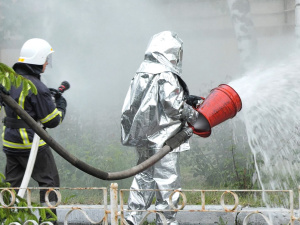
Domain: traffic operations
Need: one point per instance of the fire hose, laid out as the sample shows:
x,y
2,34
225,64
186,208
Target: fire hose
x,y
171,144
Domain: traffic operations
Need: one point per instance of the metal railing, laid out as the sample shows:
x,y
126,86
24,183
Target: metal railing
x,y
116,210
12,204
225,208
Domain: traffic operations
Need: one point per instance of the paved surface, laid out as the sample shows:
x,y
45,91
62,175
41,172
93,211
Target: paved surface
x,y
215,216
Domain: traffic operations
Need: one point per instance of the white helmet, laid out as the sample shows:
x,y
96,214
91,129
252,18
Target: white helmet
x,y
35,51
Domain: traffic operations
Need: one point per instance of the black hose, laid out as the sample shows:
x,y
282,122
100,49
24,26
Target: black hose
x,y
178,139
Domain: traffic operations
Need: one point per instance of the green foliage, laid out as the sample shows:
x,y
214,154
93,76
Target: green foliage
x,y
8,78
221,161
94,145
21,215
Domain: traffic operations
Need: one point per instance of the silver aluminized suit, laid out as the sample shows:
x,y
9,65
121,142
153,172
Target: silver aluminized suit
x,y
154,110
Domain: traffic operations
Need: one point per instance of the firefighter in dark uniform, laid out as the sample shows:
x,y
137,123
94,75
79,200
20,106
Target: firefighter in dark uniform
x,y
35,55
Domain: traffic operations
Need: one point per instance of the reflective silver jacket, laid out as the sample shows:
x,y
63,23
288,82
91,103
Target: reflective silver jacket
x,y
154,108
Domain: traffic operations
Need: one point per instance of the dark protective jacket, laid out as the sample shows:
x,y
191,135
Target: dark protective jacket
x,y
40,107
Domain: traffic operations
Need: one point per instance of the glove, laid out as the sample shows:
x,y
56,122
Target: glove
x,y
193,100
55,93
61,104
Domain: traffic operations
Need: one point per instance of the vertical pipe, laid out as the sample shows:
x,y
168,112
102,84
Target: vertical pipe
x,y
114,203
297,22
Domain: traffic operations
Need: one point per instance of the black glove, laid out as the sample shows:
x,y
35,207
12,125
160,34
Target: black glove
x,y
61,104
193,100
55,93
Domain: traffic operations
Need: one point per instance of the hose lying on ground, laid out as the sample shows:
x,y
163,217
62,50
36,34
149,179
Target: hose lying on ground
x,y
172,143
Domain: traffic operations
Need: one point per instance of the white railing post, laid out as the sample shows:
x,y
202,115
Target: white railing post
x,y
292,207
114,203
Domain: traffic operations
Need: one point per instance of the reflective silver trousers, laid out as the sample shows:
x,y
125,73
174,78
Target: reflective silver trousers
x,y
165,174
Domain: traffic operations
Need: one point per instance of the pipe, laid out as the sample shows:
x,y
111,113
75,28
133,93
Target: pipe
x,y
174,142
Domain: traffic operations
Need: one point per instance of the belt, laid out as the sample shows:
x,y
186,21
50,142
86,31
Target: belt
x,y
15,123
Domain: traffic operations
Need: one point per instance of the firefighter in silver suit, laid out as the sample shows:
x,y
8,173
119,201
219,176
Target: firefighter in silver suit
x,y
155,110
